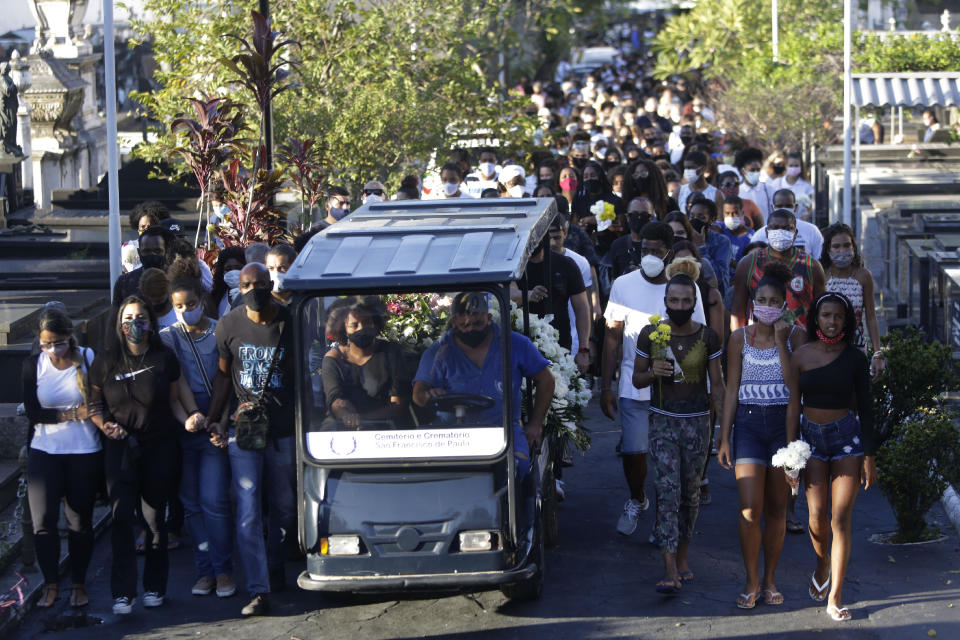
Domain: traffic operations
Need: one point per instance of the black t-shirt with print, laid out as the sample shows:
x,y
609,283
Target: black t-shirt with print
x,y
567,281
135,391
249,347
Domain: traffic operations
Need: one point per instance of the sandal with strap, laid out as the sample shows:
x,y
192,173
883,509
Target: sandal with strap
x,y
78,596
818,592
772,597
839,614
747,600
49,595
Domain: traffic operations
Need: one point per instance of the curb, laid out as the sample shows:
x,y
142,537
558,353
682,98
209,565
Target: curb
x,y
32,593
951,504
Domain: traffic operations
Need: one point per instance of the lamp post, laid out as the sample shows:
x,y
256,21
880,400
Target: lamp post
x,y
847,216
110,77
268,110
776,31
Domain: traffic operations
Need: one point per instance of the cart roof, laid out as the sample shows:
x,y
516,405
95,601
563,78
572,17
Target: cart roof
x,y
422,243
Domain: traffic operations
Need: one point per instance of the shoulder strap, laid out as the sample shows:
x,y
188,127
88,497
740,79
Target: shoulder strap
x,y
273,361
196,356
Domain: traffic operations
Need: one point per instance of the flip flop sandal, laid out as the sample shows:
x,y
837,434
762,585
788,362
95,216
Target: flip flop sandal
x,y
773,598
747,600
75,594
841,614
818,592
686,576
668,587
45,602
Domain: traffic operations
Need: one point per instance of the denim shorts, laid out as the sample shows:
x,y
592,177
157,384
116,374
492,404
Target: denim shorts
x,y
758,432
635,423
833,440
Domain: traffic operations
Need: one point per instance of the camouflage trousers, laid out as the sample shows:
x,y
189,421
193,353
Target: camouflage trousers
x,y
678,448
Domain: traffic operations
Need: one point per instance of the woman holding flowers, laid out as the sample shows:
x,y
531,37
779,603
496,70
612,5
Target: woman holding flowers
x,y
756,402
674,359
829,379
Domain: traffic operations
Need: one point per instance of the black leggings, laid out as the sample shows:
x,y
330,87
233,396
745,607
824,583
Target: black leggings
x,y
143,478
51,478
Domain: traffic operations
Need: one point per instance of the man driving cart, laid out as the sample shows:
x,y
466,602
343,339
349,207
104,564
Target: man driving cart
x,y
463,372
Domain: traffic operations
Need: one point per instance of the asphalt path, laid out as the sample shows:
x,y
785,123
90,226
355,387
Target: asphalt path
x,y
599,584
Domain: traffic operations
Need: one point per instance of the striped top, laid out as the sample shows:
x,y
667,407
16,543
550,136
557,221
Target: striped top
x,y
761,376
853,290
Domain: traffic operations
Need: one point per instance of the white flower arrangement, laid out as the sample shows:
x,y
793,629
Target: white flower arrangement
x,y
792,459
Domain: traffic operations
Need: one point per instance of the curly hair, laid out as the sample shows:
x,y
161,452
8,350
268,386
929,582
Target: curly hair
x,y
340,310
834,230
683,266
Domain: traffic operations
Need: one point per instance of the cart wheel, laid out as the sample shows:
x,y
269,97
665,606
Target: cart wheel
x,y
551,510
532,587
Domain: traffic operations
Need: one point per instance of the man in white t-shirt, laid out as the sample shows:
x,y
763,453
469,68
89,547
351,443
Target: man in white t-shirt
x,y
635,297
694,179
808,237
748,162
486,175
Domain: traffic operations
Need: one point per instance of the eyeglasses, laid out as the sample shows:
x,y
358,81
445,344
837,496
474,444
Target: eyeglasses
x,y
53,345
729,185
373,192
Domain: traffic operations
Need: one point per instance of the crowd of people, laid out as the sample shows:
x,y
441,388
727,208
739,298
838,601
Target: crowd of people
x,y
688,278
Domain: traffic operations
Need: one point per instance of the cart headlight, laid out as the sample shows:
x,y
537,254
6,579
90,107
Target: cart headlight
x,y
476,541
340,546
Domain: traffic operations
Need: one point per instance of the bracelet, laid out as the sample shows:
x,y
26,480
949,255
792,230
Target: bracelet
x,y
583,350
879,353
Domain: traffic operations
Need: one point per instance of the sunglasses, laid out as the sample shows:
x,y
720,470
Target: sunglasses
x,y
373,192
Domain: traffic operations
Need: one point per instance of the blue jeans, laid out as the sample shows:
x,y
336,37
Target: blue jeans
x,y
205,494
272,470
834,440
759,431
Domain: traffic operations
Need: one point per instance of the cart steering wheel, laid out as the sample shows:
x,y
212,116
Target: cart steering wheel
x,y
460,404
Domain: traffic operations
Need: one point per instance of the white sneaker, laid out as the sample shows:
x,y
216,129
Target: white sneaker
x,y
122,606
561,494
631,514
152,599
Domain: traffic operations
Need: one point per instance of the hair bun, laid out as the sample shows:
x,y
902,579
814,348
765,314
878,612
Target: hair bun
x,y
685,266
777,271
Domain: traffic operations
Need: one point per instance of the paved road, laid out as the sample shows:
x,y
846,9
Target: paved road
x,y
600,585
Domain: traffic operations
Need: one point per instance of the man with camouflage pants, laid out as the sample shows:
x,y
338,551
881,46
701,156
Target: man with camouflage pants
x,y
674,358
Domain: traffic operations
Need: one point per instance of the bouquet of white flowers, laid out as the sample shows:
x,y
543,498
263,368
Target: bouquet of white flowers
x,y
792,459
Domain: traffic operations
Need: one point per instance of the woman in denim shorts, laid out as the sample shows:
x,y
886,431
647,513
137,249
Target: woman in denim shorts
x,y
756,405
828,377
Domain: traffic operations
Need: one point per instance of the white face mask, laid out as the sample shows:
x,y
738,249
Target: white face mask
x,y
515,191
691,175
793,172
752,178
780,239
732,222
191,318
450,188
652,265
232,278
372,199
277,278
487,169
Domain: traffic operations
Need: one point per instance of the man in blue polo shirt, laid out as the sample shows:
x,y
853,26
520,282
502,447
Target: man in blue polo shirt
x,y
468,359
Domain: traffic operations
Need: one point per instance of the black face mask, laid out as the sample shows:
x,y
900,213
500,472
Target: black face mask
x,y
779,169
592,186
697,224
679,317
686,140
473,338
650,141
363,338
152,261
636,222
257,299
640,185
579,163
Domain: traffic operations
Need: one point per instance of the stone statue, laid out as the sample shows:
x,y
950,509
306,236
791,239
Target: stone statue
x,y
8,112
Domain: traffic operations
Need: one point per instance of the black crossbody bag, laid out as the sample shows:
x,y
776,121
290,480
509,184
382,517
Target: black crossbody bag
x,y
251,421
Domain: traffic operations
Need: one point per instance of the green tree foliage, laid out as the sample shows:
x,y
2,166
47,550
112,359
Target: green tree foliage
x,y
915,52
920,452
382,84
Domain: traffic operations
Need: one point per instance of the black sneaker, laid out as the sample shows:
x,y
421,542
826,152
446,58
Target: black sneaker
x,y
259,606
278,580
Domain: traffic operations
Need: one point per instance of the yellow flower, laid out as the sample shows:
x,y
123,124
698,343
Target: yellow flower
x,y
655,319
607,213
667,329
